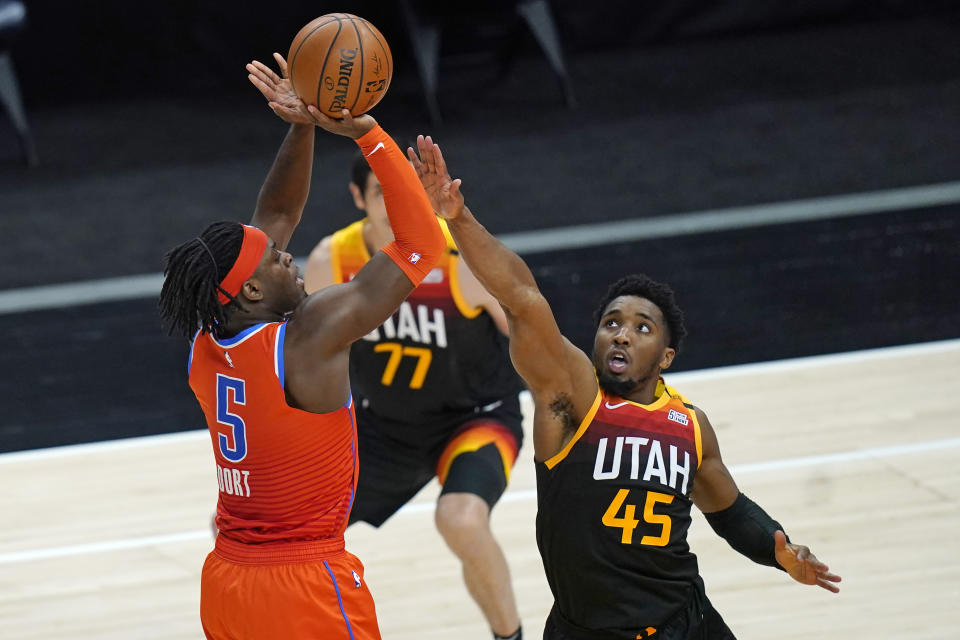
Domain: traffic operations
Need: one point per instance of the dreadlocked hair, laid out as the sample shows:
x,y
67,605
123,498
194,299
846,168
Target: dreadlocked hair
x,y
658,293
192,273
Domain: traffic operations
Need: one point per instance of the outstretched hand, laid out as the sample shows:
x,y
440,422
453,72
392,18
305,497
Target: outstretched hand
x,y
802,565
443,191
284,101
281,98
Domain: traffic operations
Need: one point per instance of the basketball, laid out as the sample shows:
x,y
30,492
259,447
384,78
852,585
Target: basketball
x,y
340,61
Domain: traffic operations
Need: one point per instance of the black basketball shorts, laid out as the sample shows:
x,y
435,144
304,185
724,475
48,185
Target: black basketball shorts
x,y
471,452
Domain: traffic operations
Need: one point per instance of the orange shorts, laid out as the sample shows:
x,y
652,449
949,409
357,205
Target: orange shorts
x,y
291,594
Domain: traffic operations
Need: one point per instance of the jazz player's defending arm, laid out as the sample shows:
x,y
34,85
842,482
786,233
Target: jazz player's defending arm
x,y
324,325
563,381
560,376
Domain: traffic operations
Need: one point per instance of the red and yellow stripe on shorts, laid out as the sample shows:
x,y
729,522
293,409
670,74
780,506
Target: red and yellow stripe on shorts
x,y
477,435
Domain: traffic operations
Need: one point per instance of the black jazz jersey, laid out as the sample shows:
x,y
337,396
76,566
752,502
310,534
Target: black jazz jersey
x,y
436,356
613,513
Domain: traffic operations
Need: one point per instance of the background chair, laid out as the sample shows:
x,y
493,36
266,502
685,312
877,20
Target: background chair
x,y
13,16
425,21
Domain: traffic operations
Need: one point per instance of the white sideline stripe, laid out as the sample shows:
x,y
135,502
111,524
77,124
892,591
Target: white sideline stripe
x,y
54,296
527,242
104,446
515,496
771,465
855,204
103,547
675,379
812,362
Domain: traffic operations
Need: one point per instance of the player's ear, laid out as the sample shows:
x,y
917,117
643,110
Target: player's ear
x,y
358,200
667,359
251,290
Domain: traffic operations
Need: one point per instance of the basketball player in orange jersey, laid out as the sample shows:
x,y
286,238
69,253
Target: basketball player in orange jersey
x,y
436,396
620,456
269,367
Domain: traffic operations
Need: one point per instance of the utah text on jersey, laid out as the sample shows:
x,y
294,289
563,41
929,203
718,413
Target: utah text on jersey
x,y
425,325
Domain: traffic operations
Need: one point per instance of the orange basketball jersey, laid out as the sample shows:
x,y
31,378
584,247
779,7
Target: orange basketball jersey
x,y
284,474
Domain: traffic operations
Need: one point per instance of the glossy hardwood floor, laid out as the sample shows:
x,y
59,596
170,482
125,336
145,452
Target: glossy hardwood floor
x,y
854,454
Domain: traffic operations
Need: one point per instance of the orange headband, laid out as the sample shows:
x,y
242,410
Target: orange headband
x,y
251,252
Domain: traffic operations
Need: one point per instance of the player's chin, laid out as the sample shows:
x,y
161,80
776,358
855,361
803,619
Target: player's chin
x,y
617,383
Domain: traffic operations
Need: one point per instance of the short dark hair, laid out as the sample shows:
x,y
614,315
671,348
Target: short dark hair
x,y
658,293
359,170
192,274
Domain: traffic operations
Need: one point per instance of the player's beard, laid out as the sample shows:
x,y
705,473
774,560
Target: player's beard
x,y
621,387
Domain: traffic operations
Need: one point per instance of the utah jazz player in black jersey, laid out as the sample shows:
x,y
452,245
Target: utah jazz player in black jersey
x,y
621,457
436,396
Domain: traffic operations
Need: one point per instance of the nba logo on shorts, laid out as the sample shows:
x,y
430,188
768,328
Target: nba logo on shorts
x,y
415,258
356,579
676,416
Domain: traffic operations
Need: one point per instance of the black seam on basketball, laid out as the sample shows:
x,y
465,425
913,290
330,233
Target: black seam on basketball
x,y
387,58
323,67
290,62
360,52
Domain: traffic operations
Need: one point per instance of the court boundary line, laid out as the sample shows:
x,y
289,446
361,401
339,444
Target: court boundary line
x,y
857,455
682,377
539,241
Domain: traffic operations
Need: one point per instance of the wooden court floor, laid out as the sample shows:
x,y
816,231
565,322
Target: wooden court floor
x,y
853,453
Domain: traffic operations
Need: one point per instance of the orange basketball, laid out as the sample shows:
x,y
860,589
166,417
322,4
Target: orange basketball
x,y
340,61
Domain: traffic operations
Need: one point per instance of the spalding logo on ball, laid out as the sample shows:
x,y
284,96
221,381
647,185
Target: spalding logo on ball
x,y
340,61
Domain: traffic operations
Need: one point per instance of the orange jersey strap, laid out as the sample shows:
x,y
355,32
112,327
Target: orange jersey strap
x,y
419,242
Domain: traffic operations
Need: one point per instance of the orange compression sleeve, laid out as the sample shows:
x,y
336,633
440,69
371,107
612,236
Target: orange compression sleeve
x,y
419,242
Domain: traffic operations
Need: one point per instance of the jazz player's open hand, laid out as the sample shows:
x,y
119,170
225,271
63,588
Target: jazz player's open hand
x,y
443,191
802,565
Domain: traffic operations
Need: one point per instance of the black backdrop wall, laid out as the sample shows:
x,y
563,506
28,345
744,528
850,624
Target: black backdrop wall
x,y
90,49
147,131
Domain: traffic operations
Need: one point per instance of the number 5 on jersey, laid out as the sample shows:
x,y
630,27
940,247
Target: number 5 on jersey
x,y
629,522
231,392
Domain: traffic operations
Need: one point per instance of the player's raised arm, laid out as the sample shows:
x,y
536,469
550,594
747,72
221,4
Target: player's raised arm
x,y
744,524
328,321
285,190
353,309
559,375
